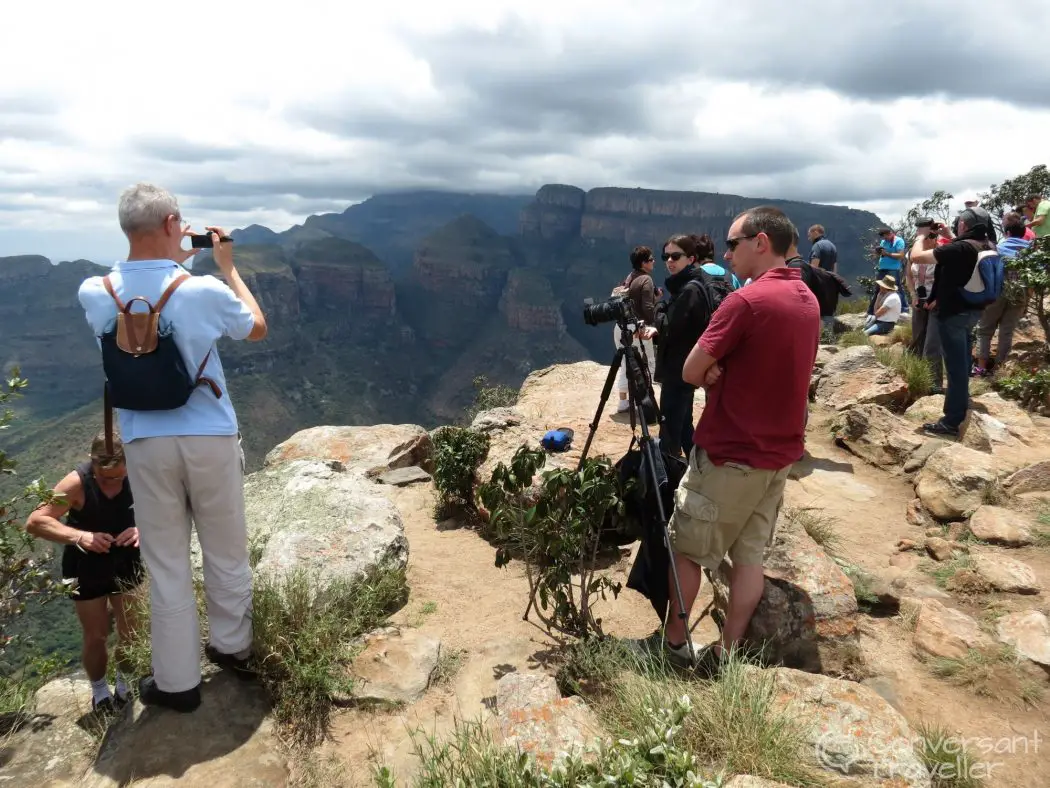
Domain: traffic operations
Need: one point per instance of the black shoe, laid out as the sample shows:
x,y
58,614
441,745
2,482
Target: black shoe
x,y
239,667
940,428
184,702
709,664
103,707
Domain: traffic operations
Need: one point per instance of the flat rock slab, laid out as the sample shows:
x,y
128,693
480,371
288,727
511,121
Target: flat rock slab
x,y
853,731
229,742
395,667
371,449
1029,633
1005,574
998,525
550,731
855,376
1033,478
836,484
525,691
401,477
942,631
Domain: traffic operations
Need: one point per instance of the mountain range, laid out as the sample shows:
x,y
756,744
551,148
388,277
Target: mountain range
x,y
387,311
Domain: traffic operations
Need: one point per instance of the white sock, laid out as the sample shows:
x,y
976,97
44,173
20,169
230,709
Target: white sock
x,y
121,686
100,690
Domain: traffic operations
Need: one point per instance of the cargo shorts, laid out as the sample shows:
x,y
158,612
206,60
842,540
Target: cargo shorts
x,y
730,508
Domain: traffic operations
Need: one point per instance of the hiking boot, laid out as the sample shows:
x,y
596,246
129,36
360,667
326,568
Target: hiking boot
x,y
103,707
240,667
184,702
709,663
655,647
942,429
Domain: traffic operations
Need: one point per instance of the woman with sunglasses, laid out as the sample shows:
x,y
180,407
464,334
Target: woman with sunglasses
x,y
679,324
102,554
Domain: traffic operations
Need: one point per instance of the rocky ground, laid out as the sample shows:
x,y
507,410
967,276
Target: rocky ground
x,y
924,606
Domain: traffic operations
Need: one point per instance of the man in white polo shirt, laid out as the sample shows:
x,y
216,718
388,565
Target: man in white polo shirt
x,y
185,462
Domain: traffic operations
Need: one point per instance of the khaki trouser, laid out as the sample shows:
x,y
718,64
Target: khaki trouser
x,y
174,479
723,509
1005,316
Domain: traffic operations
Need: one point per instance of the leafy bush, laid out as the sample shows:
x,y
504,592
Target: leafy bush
x,y
1031,389
458,452
852,306
1030,271
652,756
558,536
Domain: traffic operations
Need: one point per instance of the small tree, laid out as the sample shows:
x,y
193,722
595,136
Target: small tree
x,y
23,575
1032,271
1003,197
557,530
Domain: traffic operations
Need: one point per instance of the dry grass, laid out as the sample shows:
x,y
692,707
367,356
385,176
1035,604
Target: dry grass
x,y
819,526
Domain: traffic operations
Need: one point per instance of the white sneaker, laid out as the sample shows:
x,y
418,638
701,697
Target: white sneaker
x,y
623,406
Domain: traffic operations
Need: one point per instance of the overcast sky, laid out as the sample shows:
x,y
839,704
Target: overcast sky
x,y
266,116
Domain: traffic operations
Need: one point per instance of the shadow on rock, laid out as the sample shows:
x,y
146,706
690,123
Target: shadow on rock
x,y
228,736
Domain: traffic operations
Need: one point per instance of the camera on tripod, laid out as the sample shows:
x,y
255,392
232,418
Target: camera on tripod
x,y
618,308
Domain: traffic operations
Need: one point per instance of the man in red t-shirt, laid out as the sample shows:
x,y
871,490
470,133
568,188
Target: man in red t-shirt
x,y
755,360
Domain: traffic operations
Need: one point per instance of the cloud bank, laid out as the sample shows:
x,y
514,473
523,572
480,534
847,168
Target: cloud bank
x,y
266,116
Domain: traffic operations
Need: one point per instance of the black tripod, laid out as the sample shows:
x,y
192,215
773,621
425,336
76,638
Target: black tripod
x,y
638,378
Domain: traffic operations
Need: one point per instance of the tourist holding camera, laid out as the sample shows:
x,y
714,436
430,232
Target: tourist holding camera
x,y
185,463
678,325
925,338
638,286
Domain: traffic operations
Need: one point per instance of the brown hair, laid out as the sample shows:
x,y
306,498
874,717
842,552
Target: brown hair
x,y
1013,225
774,223
640,255
103,458
699,247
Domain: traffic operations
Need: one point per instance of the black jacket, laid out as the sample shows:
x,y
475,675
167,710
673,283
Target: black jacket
x,y
680,322
826,285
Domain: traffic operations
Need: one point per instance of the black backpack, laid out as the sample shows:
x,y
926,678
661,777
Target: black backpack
x,y
143,366
714,289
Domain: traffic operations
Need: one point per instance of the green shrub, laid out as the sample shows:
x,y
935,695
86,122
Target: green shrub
x,y
852,306
1030,388
303,625
488,397
558,536
458,453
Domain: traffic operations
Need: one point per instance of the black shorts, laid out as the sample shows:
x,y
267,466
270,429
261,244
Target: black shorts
x,y
102,574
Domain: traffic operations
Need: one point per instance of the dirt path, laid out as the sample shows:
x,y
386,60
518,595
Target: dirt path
x,y
458,595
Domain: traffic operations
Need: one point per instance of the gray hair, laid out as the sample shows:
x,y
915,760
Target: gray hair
x,y
144,207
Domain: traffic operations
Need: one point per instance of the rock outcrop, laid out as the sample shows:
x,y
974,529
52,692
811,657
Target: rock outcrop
x,y
856,377
318,516
878,437
852,730
807,617
370,450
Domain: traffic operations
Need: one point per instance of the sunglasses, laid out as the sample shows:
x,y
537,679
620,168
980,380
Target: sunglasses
x,y
733,243
676,256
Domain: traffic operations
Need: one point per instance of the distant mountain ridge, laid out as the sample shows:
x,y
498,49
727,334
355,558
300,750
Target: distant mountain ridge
x,y
385,312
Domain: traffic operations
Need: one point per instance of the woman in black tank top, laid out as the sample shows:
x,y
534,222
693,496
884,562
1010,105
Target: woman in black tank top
x,y
101,553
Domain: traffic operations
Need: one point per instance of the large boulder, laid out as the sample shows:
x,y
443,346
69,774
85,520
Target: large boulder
x,y
855,377
999,525
955,481
1032,478
942,631
1029,633
877,436
316,515
807,617
851,730
371,450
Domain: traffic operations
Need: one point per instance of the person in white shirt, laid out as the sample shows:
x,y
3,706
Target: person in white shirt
x,y
887,308
185,465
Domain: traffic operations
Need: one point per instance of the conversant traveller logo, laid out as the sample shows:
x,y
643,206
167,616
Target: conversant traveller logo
x,y
941,757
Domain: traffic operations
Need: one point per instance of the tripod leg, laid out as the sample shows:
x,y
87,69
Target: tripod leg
x,y
610,379
658,484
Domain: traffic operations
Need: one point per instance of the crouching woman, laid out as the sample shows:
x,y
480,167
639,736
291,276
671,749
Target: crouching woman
x,y
102,554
